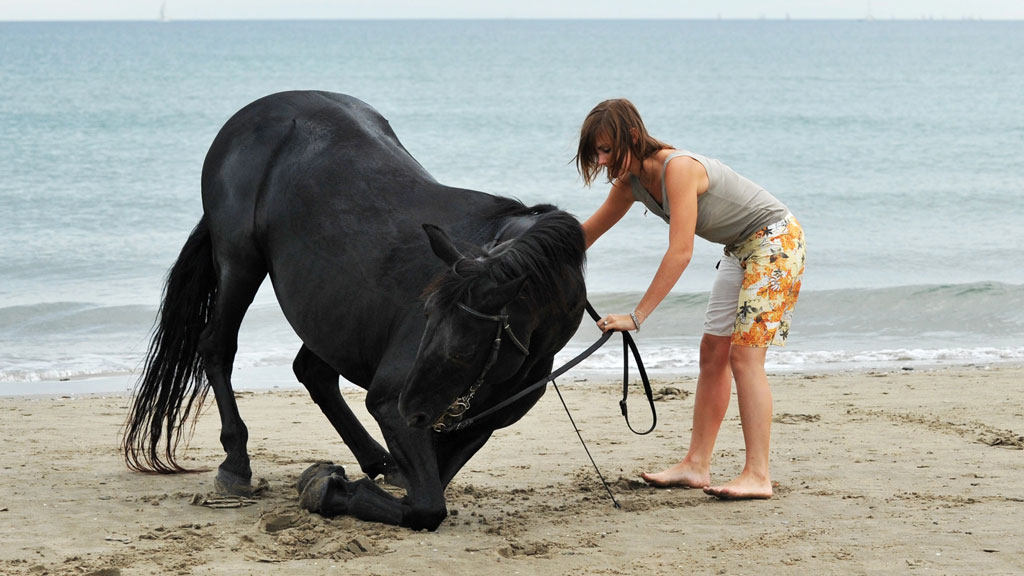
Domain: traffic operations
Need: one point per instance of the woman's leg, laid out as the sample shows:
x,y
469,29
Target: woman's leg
x,y
772,263
755,402
714,384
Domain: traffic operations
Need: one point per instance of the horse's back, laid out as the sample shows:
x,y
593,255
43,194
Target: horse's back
x,y
281,137
316,188
313,163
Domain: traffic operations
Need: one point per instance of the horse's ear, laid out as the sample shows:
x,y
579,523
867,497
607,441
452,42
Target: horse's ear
x,y
442,245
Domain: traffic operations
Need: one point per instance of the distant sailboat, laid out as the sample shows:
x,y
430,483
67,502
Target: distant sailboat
x,y
870,17
163,13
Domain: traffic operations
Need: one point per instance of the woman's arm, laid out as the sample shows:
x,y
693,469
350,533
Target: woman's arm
x,y
619,200
682,179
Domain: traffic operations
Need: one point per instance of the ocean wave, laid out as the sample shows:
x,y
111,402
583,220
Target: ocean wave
x,y
918,316
69,365
56,319
833,330
606,361
673,360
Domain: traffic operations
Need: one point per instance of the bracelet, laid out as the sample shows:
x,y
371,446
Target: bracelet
x,y
636,322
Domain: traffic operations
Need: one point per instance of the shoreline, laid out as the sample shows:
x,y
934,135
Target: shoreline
x,y
876,473
281,378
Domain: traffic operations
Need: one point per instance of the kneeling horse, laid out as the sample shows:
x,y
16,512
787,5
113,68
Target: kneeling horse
x,y
439,301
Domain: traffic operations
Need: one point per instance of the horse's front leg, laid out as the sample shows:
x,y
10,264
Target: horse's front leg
x,y
328,492
322,383
326,489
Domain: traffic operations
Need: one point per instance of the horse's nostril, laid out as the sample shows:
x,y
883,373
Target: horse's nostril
x,y
418,420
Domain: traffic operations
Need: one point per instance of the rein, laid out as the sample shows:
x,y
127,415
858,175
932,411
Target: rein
x,y
452,421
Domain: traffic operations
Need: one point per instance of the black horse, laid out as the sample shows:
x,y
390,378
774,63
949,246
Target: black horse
x,y
439,301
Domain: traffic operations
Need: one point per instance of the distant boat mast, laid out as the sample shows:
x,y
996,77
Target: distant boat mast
x,y
163,13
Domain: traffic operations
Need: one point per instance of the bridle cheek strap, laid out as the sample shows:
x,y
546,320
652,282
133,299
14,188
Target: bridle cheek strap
x,y
502,319
461,404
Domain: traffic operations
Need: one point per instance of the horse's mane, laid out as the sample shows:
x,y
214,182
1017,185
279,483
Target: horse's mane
x,y
549,251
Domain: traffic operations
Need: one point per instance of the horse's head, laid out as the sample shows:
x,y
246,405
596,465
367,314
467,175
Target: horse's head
x,y
475,332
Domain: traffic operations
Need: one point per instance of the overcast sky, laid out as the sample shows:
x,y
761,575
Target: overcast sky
x,y
334,9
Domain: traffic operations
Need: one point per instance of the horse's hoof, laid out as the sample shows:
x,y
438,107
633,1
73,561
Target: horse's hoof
x,y
314,494
230,484
318,470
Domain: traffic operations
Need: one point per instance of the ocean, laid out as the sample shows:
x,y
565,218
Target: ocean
x,y
898,144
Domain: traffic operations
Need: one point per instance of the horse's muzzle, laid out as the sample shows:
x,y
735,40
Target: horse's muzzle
x,y
419,420
415,413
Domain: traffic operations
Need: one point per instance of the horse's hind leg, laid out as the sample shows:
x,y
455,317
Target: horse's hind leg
x,y
322,383
236,287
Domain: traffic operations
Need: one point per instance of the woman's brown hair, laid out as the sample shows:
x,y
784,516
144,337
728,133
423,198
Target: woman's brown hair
x,y
620,121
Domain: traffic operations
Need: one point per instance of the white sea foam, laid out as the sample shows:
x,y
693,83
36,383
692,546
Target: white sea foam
x,y
672,360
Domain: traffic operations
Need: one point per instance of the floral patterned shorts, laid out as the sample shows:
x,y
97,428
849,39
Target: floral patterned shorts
x,y
758,285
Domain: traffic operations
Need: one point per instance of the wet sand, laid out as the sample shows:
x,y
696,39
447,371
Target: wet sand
x,y
916,472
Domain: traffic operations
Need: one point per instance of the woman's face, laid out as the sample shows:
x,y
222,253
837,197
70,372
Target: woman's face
x,y
603,146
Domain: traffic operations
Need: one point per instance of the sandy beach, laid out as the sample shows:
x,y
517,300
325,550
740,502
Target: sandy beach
x,y
910,471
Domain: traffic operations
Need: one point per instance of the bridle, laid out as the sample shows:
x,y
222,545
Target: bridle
x,y
453,415
452,419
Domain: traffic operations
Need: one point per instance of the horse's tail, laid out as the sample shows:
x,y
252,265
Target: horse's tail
x,y
173,385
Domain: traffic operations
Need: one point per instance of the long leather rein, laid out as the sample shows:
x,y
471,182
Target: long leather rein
x,y
452,421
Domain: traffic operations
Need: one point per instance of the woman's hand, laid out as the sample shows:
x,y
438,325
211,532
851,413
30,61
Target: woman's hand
x,y
616,322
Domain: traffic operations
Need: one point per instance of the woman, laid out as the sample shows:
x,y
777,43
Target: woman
x,y
753,295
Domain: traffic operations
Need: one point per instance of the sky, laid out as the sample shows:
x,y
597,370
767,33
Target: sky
x,y
416,9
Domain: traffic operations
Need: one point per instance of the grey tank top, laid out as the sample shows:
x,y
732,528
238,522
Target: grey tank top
x,y
731,210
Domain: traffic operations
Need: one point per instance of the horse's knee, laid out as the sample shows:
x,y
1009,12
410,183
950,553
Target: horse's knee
x,y
333,495
369,501
425,509
425,518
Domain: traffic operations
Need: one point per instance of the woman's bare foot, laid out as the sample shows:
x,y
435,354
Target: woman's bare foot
x,y
681,475
745,487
